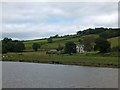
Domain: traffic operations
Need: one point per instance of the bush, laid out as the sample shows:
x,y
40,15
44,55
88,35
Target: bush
x,y
70,47
35,46
102,45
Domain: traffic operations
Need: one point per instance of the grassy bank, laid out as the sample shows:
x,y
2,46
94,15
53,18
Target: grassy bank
x,y
86,59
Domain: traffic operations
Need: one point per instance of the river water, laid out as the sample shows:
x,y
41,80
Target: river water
x,y
33,75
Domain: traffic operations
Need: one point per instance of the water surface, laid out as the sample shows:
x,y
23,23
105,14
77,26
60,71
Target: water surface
x,y
31,75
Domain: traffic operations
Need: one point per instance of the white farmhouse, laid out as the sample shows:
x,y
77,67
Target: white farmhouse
x,y
80,48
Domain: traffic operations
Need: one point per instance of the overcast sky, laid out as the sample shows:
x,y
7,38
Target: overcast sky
x,y
28,20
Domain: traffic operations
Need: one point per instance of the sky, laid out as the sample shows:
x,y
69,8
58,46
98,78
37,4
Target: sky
x,y
35,20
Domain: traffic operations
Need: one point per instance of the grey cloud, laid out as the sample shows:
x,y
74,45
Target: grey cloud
x,y
30,20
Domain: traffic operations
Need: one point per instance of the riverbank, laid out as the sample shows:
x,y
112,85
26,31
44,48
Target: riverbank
x,y
85,59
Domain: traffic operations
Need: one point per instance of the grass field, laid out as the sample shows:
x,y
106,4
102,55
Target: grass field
x,y
46,45
56,42
86,59
28,44
114,41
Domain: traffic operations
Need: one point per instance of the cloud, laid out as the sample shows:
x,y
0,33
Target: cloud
x,y
26,20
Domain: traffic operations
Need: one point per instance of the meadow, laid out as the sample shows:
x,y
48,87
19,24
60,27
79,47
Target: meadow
x,y
83,59
56,42
114,41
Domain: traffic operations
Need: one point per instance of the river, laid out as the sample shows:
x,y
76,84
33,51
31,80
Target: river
x,y
33,75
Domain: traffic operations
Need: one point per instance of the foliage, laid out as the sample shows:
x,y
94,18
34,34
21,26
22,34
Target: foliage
x,y
70,47
104,32
9,45
19,46
110,33
4,50
56,36
35,46
80,41
102,45
89,43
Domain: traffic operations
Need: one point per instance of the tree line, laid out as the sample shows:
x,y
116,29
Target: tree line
x,y
9,45
103,32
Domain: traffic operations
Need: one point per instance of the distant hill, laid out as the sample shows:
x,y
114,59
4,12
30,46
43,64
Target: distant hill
x,y
112,35
56,41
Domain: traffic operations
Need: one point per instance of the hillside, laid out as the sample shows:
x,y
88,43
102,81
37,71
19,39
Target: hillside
x,y
83,59
56,41
62,40
114,41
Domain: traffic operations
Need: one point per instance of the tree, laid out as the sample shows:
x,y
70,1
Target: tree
x,y
56,36
80,41
89,43
104,32
9,45
19,46
50,40
35,46
5,40
70,47
102,45
4,50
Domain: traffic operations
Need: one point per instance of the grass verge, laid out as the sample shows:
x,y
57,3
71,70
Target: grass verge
x,y
86,59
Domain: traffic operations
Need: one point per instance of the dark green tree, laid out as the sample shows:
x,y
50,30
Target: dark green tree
x,y
105,34
4,50
9,45
5,40
102,45
19,46
56,36
35,46
80,41
70,47
89,43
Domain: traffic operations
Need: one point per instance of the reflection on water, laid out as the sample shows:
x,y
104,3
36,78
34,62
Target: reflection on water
x,y
30,75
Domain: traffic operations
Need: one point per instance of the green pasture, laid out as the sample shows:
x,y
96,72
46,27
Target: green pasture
x,y
56,42
114,41
87,59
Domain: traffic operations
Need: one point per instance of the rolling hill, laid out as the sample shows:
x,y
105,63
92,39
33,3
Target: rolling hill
x,y
56,41
62,40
